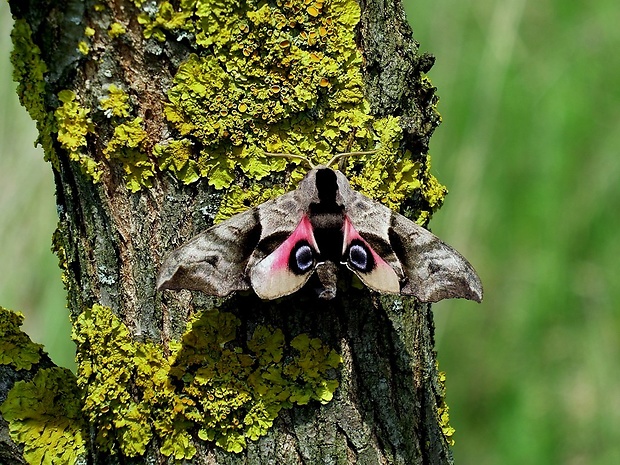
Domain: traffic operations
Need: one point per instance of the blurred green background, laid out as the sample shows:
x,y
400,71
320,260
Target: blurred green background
x,y
29,273
530,97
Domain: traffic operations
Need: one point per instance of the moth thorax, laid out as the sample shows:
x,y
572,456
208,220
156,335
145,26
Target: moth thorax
x,y
326,185
327,220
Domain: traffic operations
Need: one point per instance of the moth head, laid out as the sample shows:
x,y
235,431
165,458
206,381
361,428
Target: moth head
x,y
323,183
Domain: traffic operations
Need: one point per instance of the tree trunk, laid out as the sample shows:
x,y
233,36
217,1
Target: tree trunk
x,y
155,120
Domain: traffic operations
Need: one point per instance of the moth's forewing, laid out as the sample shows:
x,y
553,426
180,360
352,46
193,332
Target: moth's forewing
x,y
434,270
214,261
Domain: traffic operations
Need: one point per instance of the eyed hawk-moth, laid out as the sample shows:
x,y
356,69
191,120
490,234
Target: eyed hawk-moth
x,y
275,247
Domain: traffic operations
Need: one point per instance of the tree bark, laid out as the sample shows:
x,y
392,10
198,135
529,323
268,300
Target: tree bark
x,y
122,208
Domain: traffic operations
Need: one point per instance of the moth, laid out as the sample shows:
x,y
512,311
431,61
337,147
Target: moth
x,y
320,227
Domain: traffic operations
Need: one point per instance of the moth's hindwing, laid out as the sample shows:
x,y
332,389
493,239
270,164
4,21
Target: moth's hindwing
x,y
369,266
289,266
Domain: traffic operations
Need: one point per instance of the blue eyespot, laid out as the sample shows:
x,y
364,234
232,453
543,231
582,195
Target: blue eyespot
x,y
358,257
304,257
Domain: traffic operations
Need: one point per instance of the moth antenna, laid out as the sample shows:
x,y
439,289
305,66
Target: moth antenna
x,y
338,156
292,155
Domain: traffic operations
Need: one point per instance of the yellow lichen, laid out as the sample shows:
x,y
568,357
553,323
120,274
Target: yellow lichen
x,y
29,71
116,30
255,89
443,411
282,77
116,103
275,77
227,391
74,125
83,47
16,348
45,417
128,146
252,88
241,198
167,18
176,156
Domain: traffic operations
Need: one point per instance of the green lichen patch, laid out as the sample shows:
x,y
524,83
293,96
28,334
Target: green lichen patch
x,y
443,411
277,77
16,348
74,125
241,198
83,47
432,191
211,384
29,71
45,417
234,394
176,156
108,363
281,76
167,18
308,369
391,176
116,30
387,175
116,103
270,75
128,146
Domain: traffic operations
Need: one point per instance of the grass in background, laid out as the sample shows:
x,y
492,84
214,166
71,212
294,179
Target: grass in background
x,y
531,105
530,98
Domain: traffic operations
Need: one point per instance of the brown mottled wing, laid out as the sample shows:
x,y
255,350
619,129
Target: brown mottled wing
x,y
218,261
434,270
215,260
427,268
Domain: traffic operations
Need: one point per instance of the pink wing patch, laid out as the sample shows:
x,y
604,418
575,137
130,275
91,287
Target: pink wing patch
x,y
273,277
377,274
